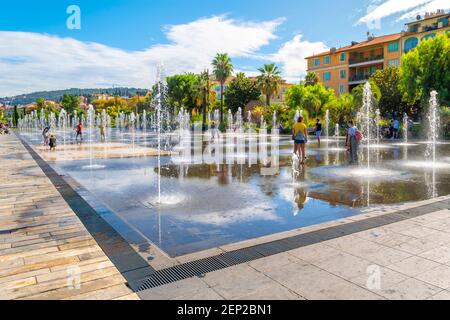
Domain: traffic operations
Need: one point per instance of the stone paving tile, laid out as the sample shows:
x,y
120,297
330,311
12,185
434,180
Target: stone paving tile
x,y
410,289
174,290
439,254
41,237
345,265
314,253
439,277
418,232
414,266
313,283
443,295
417,246
269,263
378,278
237,281
272,293
439,236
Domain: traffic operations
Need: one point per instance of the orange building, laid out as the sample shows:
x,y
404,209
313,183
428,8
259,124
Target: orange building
x,y
342,69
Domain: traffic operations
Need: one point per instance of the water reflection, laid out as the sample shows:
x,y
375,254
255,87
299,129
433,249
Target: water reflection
x,y
208,204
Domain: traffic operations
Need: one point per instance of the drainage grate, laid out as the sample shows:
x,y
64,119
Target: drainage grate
x,y
181,272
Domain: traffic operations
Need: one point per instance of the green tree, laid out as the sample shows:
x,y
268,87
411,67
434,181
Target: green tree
x,y
311,79
40,104
181,90
205,93
312,98
358,93
316,99
295,95
15,117
223,69
269,80
343,109
240,91
70,103
391,99
427,68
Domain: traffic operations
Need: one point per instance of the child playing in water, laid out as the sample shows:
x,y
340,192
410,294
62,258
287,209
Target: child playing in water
x,y
52,142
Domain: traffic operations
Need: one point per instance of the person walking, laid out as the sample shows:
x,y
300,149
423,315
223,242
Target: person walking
x,y
352,142
300,137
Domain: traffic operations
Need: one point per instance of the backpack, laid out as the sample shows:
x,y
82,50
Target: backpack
x,y
359,136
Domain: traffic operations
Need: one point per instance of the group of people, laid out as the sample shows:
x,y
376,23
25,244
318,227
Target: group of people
x,y
4,128
49,138
300,137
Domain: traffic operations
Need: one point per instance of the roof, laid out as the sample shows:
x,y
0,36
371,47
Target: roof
x,y
358,45
433,16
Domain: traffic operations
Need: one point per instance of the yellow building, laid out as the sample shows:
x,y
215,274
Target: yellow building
x,y
424,28
342,69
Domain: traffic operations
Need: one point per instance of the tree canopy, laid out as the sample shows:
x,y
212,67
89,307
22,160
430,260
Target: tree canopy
x,y
427,68
240,91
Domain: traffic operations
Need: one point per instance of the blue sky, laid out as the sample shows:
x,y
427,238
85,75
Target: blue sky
x,y
121,41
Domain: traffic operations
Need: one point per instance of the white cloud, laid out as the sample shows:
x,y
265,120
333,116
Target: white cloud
x,y
292,56
408,9
35,61
432,6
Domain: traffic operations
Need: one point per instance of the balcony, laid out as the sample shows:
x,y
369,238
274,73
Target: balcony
x,y
359,78
362,61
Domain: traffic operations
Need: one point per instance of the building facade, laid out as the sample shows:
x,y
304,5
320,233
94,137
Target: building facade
x,y
342,69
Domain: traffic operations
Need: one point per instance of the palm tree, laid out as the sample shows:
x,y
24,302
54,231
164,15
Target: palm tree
x,y
204,89
311,79
223,69
269,80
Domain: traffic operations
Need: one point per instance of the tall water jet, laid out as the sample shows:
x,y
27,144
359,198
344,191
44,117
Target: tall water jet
x,y
91,115
405,127
230,121
366,119
158,124
377,123
297,115
274,119
434,123
336,132
327,124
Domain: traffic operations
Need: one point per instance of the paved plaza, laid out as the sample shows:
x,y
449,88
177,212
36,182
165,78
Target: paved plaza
x,y
50,251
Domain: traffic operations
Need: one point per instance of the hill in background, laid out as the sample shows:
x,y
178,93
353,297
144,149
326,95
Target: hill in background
x,y
58,94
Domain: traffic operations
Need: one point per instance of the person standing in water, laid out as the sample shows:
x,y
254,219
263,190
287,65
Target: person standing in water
x,y
318,130
45,136
79,131
102,132
300,137
352,142
396,129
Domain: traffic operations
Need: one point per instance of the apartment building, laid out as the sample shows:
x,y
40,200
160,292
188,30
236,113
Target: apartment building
x,y
342,69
